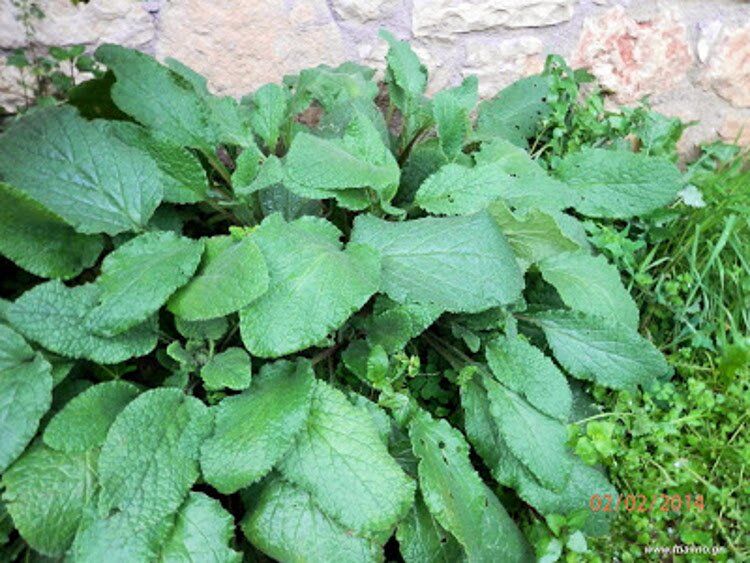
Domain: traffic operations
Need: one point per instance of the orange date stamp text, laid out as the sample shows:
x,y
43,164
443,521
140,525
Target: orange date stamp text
x,y
646,503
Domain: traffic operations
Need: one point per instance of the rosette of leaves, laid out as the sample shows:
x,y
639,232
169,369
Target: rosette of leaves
x,y
282,325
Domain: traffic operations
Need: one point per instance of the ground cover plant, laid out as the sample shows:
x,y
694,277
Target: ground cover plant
x,y
333,322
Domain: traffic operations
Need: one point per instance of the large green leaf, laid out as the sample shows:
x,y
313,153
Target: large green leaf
x,y
422,539
611,354
138,278
341,461
84,421
516,112
582,482
255,429
182,176
534,234
149,459
319,168
119,537
25,395
232,274
526,370
619,184
75,169
314,287
41,242
528,185
460,264
459,190
535,438
202,532
173,102
288,525
590,284
13,348
47,493
457,497
55,316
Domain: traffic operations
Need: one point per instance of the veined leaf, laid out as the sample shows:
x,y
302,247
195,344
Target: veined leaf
x,y
393,324
320,168
534,235
460,190
41,242
84,421
25,395
516,112
341,461
47,493
229,369
536,439
529,186
314,286
255,429
75,169
582,482
619,184
182,176
457,497
232,274
288,525
173,101
592,285
406,76
593,348
270,106
451,108
149,459
459,264
421,538
13,348
138,278
203,531
526,370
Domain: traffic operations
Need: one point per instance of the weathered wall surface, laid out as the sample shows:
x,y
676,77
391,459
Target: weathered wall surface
x,y
692,57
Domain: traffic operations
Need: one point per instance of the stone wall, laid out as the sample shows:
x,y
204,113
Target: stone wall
x,y
692,57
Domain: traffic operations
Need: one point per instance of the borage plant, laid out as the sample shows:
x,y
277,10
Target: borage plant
x,y
300,312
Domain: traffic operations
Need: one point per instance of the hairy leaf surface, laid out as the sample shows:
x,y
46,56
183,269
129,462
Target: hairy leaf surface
x,y
619,184
288,525
592,348
592,285
457,497
41,242
149,459
55,316
232,274
47,493
138,278
460,264
84,421
25,395
75,169
315,285
341,461
203,531
255,429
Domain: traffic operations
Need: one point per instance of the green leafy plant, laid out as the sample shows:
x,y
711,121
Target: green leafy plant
x,y
305,314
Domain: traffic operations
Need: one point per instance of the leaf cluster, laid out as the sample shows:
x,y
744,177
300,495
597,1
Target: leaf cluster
x,y
306,313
